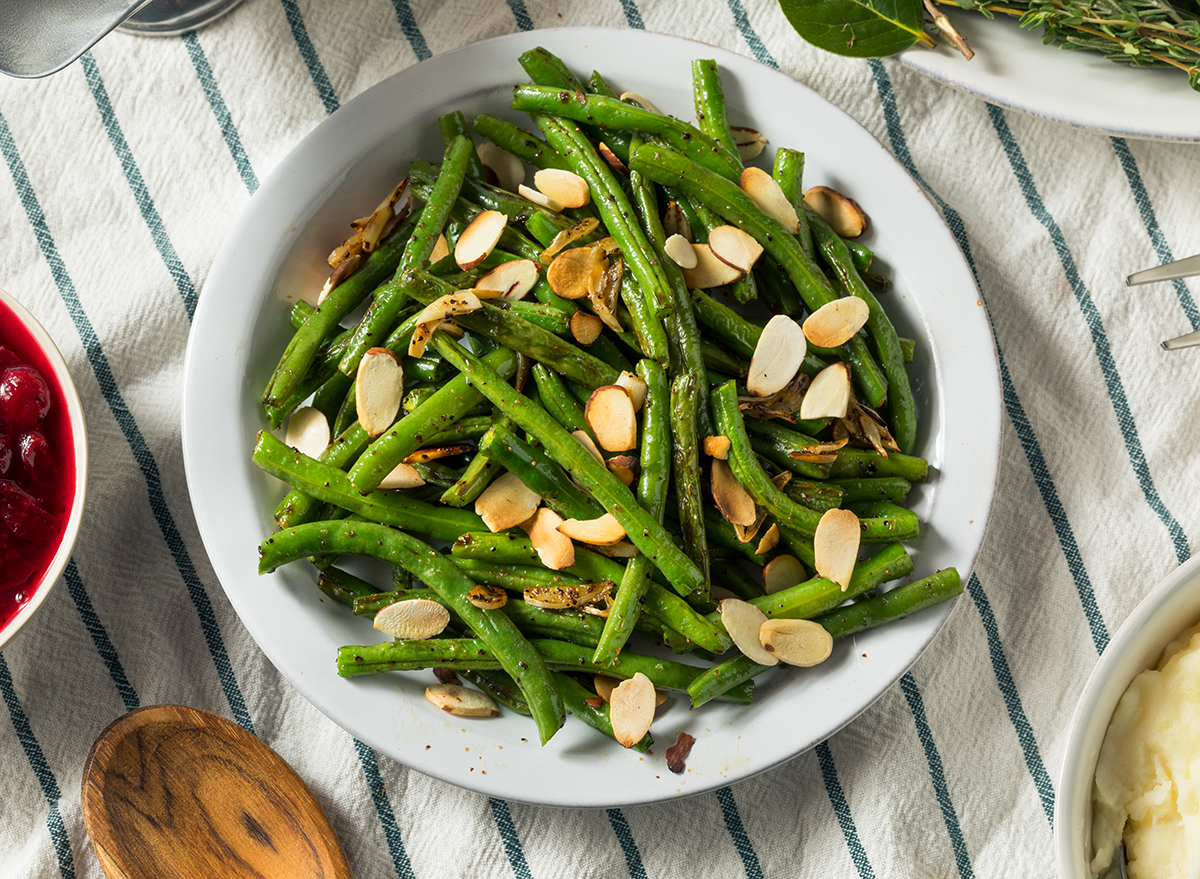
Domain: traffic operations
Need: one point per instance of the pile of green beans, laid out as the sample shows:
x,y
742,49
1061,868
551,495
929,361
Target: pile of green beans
x,y
510,390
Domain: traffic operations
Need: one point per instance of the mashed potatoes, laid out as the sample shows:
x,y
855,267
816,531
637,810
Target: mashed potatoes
x,y
1147,785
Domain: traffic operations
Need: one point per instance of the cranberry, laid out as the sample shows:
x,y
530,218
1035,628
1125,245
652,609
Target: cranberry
x,y
6,449
24,396
35,456
23,516
8,358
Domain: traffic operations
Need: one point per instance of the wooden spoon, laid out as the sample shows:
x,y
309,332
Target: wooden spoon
x,y
176,792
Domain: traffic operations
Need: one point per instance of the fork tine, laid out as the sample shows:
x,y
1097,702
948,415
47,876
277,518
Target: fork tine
x,y
1181,268
1190,340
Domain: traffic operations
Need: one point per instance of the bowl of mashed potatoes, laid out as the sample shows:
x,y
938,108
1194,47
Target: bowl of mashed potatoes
x,y
1131,769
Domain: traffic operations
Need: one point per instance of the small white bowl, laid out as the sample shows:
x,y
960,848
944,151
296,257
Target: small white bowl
x,y
78,440
1171,607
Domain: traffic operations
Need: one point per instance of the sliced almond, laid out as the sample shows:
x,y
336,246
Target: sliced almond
x,y
777,356
441,250
732,499
487,597
565,187
586,441
378,390
841,212
640,101
746,533
513,279
769,541
308,431
680,249
836,322
625,468
835,546
586,226
717,447
829,394
750,142
622,549
413,620
586,328
742,621
341,272
637,388
781,572
631,709
575,272
609,413
796,642
765,192
478,239
506,503
554,549
734,247
613,159
602,531
432,315
675,222
605,685
540,198
402,476
461,701
709,271
509,170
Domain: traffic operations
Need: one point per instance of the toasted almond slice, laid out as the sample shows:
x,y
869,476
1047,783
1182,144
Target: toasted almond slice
x,y
378,390
505,503
461,701
734,247
631,709
835,546
777,356
478,239
565,187
836,322
797,642
441,250
402,476
765,192
341,272
742,621
732,499
554,549
782,572
308,431
638,99
487,597
586,328
509,170
709,271
675,222
841,212
871,430
746,533
602,531
433,453
413,620
575,272
637,388
586,226
540,198
605,685
829,394
432,315
586,441
513,279
609,413
622,549
749,142
625,468
613,160
769,541
680,249
717,447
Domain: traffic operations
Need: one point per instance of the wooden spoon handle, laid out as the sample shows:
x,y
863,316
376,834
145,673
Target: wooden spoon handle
x,y
176,792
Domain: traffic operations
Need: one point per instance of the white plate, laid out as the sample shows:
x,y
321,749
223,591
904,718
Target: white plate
x,y
1013,68
277,248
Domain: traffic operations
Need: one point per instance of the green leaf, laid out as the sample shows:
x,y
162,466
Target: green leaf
x,y
858,28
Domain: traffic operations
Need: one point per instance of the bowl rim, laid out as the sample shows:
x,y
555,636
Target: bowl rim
x,y
62,374
1122,660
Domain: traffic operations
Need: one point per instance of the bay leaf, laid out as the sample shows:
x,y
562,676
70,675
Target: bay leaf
x,y
858,28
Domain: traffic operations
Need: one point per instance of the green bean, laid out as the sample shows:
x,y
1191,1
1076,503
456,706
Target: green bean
x,y
729,575
685,390
816,496
502,688
478,475
541,474
296,508
789,174
856,491
369,604
490,198
557,400
521,143
863,462
709,98
777,443
893,604
451,126
342,586
720,360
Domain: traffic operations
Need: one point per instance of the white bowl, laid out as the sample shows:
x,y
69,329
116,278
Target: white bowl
x,y
1173,606
70,397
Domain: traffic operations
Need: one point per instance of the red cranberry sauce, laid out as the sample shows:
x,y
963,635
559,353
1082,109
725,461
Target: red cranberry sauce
x,y
37,465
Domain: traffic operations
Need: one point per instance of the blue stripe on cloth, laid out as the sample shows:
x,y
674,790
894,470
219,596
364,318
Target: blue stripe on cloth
x,y
741,842
633,15
937,775
129,427
1012,699
383,808
41,771
141,194
757,47
95,628
1012,402
508,835
521,14
212,91
408,24
1142,199
309,55
1095,324
633,858
837,799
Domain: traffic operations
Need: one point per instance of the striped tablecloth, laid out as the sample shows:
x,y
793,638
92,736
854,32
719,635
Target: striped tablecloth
x,y
120,177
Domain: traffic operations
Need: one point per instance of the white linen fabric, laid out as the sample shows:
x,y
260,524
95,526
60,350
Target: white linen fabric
x,y
122,174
